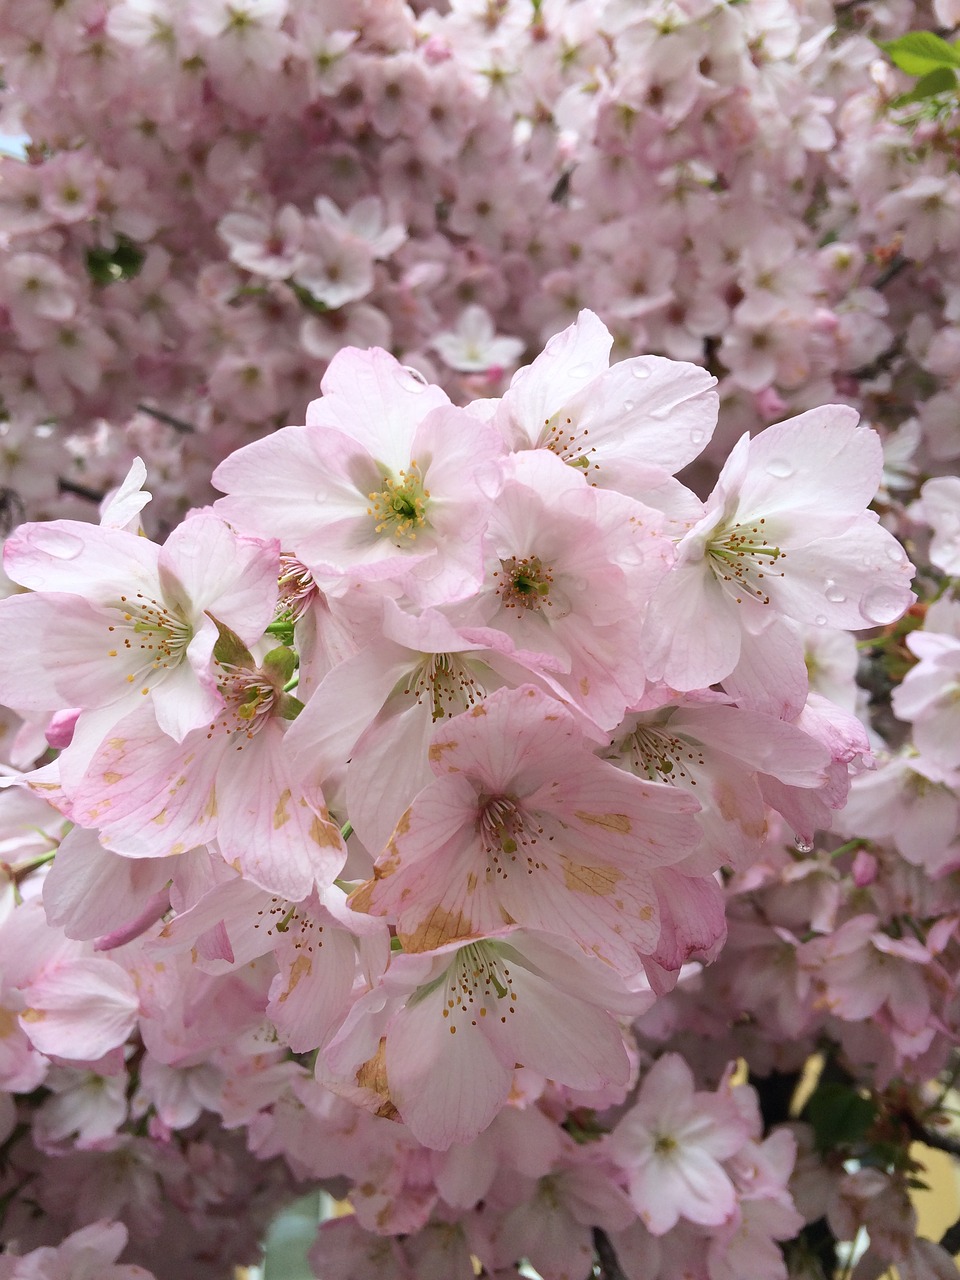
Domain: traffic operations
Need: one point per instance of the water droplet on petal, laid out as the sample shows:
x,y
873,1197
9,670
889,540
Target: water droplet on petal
x,y
581,371
882,605
833,592
895,553
55,542
780,468
641,371
696,437
629,406
820,620
419,381
801,845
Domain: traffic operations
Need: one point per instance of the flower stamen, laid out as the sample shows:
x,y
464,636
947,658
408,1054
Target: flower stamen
x,y
399,508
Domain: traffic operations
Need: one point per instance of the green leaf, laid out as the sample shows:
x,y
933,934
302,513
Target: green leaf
x,y
280,664
290,1238
106,266
289,707
941,80
230,650
839,1115
306,299
918,52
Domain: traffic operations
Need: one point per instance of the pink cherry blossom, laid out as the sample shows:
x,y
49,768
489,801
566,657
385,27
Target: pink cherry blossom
x,y
524,825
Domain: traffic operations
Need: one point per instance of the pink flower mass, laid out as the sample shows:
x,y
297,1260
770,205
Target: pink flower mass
x,y
479,638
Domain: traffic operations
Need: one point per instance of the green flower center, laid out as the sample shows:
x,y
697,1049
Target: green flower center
x,y
742,558
524,583
399,508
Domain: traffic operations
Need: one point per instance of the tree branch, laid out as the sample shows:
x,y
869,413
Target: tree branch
x,y
185,428
610,1268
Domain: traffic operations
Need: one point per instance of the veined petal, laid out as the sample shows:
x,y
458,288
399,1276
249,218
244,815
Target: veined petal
x,y
445,1077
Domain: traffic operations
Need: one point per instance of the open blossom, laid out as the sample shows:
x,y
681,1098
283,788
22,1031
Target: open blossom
x,y
672,1144
111,618
474,346
718,753
625,425
232,781
939,506
90,1252
379,485
440,1038
523,824
786,534
378,710
927,696
568,571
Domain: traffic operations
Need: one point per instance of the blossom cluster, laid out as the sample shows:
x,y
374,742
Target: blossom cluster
x,y
405,773
726,184
438,804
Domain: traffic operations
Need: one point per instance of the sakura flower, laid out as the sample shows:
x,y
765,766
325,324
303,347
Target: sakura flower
x,y
785,534
618,424
454,1026
717,753
155,797
378,709
366,221
334,268
113,618
266,247
865,972
473,345
378,485
524,824
568,572
72,1004
939,506
927,696
672,1145
90,1252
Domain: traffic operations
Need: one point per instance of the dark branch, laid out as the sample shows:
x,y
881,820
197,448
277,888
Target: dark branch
x,y
81,490
950,1240
891,271
939,1141
610,1268
185,428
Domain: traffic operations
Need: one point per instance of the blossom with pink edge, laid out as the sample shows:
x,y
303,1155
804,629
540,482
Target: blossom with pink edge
x,y
523,824
672,1145
155,797
624,425
88,1254
440,1038
568,571
111,618
785,535
380,483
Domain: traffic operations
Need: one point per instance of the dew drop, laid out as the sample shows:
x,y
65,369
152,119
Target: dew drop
x,y
820,620
641,371
895,553
696,437
801,845
882,605
833,592
581,371
419,381
58,543
629,406
780,468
